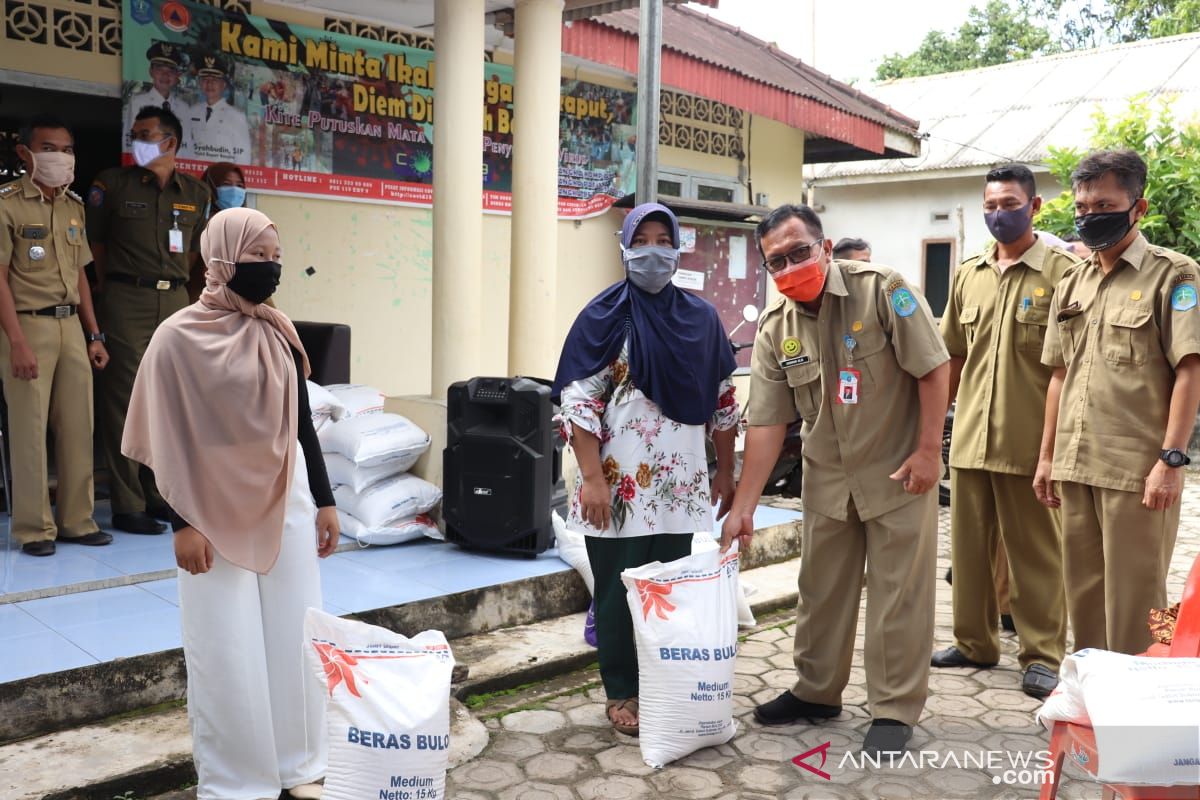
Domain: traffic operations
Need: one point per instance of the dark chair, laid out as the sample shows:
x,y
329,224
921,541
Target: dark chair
x,y
328,348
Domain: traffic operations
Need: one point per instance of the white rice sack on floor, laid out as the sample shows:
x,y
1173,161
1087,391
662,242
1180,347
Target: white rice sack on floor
x,y
401,530
323,403
685,624
344,472
703,542
376,440
388,708
357,399
573,550
389,500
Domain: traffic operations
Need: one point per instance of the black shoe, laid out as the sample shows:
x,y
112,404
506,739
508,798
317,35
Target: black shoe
x,y
886,736
137,522
40,548
158,512
1039,681
950,575
787,708
95,539
953,657
1007,624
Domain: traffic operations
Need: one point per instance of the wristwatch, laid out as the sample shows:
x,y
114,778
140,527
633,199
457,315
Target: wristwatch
x,y
1174,458
95,337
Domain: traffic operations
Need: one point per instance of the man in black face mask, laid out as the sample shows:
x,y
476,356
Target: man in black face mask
x,y
1124,341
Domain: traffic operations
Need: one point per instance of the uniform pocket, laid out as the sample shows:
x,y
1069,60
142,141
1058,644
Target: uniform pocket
x,y
31,255
1031,329
1128,335
133,210
805,380
968,318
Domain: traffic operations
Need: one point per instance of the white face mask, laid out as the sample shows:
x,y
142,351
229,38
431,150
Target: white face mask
x,y
53,169
145,152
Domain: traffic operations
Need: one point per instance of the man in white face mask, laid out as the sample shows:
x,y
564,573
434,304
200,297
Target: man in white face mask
x,y
45,363
144,223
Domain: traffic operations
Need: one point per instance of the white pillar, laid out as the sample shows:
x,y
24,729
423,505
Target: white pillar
x,y
532,342
457,192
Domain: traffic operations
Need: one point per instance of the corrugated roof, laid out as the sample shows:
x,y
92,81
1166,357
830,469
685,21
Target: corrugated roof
x,y
720,44
1017,111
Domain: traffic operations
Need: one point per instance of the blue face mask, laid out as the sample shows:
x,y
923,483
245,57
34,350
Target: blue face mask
x,y
230,196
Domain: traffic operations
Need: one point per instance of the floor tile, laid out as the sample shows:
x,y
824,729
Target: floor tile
x,y
472,571
136,635
137,560
39,654
353,587
103,605
15,621
167,589
20,572
406,555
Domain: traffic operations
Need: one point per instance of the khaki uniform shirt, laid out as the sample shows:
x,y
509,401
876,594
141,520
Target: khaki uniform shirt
x,y
997,323
1120,337
43,243
133,217
849,450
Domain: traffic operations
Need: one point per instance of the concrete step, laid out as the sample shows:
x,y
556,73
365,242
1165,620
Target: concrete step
x,y
150,753
60,700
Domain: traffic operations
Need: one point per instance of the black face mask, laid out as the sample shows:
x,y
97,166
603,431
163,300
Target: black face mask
x,y
255,280
1102,231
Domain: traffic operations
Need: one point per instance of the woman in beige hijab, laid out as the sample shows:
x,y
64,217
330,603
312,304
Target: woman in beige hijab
x,y
218,408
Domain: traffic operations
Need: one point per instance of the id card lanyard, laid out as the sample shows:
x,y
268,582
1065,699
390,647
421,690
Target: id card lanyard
x,y
848,376
175,235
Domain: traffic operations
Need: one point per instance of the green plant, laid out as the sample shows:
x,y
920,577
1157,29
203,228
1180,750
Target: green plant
x,y
1171,149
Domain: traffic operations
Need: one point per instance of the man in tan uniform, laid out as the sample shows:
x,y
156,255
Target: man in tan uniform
x,y
1124,341
854,351
994,326
44,360
144,222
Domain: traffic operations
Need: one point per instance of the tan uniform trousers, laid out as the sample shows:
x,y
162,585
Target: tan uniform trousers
x,y
61,398
899,550
1116,553
991,511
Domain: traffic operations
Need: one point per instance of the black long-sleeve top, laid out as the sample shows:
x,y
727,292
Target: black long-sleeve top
x,y
318,478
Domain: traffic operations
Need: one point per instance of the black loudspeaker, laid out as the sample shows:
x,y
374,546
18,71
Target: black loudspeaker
x,y
500,465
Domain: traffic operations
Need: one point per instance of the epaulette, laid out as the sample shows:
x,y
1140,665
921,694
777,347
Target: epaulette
x,y
74,197
9,189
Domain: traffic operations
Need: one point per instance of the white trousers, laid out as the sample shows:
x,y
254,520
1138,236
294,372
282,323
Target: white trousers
x,y
257,717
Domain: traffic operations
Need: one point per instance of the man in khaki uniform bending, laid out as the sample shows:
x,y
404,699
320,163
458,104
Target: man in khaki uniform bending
x,y
1124,341
854,351
994,326
45,363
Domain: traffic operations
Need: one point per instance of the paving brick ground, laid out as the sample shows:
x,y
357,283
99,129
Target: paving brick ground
x,y
551,742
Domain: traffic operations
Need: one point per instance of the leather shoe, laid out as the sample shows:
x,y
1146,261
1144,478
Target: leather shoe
x,y
953,657
44,547
94,539
138,522
1039,681
886,736
787,708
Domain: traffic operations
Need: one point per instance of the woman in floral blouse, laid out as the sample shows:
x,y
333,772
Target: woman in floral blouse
x,y
643,377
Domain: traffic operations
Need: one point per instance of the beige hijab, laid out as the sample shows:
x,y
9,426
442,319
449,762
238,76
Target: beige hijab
x,y
213,411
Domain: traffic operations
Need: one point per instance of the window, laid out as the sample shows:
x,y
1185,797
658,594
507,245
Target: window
x,y
937,268
699,186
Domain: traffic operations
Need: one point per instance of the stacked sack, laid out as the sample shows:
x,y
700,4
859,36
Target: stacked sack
x,y
368,454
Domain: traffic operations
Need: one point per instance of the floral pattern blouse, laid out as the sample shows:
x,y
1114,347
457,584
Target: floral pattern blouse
x,y
655,467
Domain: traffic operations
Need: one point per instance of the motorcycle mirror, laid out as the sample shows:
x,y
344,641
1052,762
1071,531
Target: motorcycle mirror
x,y
750,313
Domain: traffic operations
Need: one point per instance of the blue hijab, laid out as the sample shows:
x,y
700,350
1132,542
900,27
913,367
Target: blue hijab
x,y
678,350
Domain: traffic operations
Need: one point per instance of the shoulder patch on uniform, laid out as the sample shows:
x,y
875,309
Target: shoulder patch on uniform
x,y
95,196
1183,277
894,284
903,301
1183,297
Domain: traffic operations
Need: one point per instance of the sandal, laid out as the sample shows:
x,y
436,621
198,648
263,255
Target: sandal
x,y
628,704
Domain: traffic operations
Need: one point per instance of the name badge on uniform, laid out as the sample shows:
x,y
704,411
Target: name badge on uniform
x,y
793,362
847,392
33,232
175,236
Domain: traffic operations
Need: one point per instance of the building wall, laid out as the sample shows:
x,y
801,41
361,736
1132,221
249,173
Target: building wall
x,y
897,217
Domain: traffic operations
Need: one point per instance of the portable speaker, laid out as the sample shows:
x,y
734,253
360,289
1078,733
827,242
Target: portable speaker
x,y
500,465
